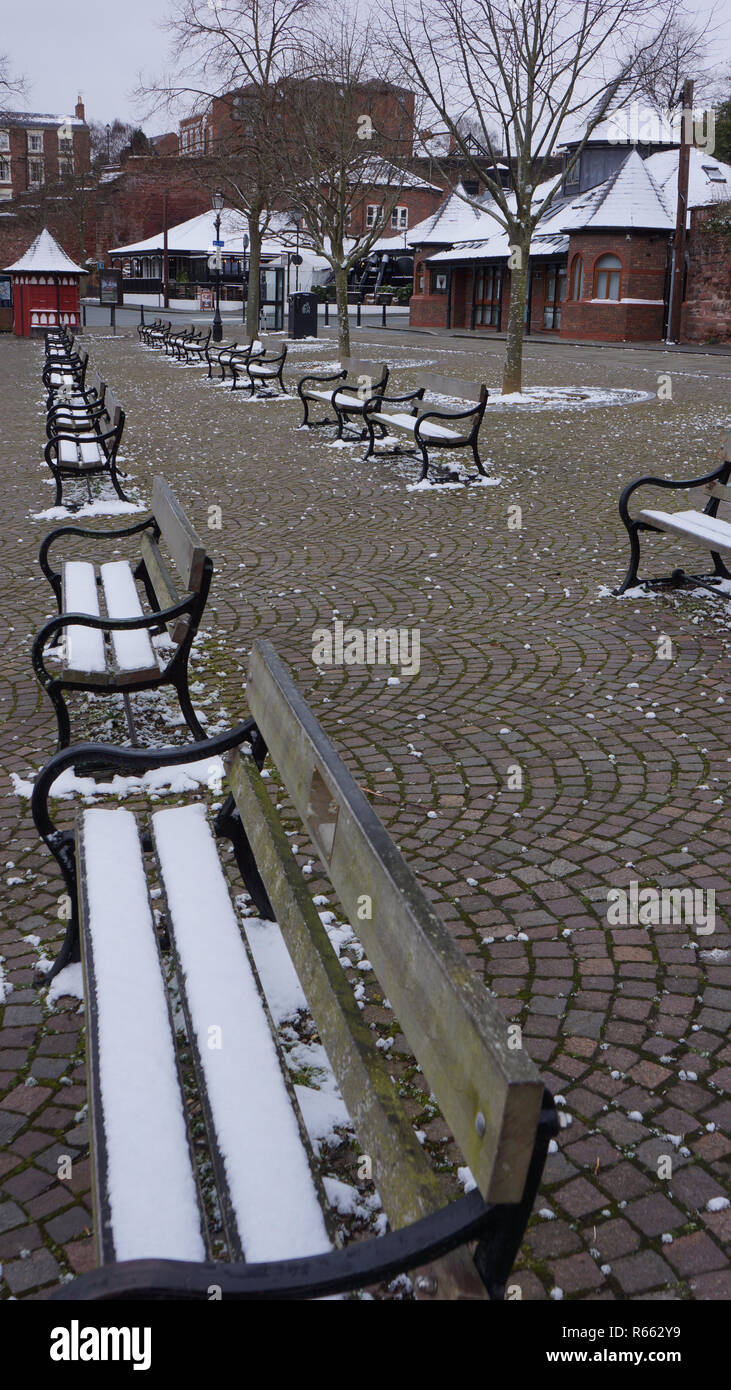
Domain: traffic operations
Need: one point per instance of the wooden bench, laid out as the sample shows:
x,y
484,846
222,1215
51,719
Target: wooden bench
x,y
261,368
156,335
152,1234
74,409
79,446
707,526
174,340
431,429
346,391
65,375
194,349
223,354
110,652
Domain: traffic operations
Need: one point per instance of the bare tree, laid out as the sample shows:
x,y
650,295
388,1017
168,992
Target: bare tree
x,y
538,71
344,135
230,56
10,85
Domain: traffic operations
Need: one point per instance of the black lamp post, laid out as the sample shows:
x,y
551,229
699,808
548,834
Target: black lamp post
x,y
245,277
217,325
297,218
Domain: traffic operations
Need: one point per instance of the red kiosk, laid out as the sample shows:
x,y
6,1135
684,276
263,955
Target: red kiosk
x,y
45,288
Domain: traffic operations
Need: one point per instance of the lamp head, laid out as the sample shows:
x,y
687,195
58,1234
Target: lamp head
x,y
217,199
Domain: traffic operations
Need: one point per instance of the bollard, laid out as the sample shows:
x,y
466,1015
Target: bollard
x,y
113,317
83,316
327,313
357,314
383,314
142,315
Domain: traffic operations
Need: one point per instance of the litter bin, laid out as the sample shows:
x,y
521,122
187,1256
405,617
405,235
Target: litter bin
x,y
302,315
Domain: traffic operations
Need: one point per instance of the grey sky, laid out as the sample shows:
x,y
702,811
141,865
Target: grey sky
x,y
66,46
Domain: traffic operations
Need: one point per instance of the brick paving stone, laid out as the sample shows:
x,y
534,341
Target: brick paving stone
x,y
536,657
695,1254
654,1215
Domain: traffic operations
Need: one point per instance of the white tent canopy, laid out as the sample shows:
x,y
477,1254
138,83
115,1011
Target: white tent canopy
x,y
196,236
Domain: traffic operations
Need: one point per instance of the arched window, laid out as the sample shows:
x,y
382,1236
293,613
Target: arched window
x,y
606,277
577,277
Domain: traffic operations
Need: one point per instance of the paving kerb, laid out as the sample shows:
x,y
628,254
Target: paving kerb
x,y
523,662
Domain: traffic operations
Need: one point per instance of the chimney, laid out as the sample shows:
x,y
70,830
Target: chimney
x,y
79,112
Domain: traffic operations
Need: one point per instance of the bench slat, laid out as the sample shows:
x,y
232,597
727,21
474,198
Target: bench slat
x,y
710,531
145,1187
447,1016
164,585
133,651
84,645
184,544
407,1184
273,1193
451,386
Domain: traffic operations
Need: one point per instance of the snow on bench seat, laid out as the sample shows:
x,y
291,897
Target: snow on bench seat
x,y
82,452
133,651
149,1175
84,645
263,371
407,422
272,1189
342,399
711,531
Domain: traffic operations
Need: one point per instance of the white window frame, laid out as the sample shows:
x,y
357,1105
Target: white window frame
x,y
400,218
4,141
373,212
6,173
35,180
35,142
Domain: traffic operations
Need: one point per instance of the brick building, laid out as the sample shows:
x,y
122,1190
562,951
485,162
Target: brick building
x,y
600,259
38,150
707,307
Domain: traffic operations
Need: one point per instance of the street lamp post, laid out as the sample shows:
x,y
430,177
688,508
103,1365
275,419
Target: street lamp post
x,y
217,201
245,278
297,218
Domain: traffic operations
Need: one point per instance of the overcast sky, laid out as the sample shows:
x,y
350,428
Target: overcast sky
x,y
64,47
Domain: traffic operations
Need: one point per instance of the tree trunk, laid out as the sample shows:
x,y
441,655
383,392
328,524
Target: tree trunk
x,y
254,263
513,368
341,299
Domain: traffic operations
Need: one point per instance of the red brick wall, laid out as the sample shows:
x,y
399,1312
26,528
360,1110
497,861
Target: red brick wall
x,y
707,308
421,203
644,257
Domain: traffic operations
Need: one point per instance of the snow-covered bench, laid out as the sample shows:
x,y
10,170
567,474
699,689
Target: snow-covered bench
x,y
155,335
262,368
111,652
173,341
65,374
73,408
708,527
430,429
194,349
346,391
147,969
80,445
223,354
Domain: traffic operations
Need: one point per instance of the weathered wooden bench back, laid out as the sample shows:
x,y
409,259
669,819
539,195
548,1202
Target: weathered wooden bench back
x,y
357,367
451,386
185,548
489,1094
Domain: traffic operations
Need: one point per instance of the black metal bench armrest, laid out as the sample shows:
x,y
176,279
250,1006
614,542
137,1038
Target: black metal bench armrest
x,y
361,1263
136,624
88,758
332,376
114,533
683,483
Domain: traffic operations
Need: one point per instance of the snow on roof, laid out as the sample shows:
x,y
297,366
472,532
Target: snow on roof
x,y
25,118
197,234
629,199
381,172
454,220
708,179
44,255
628,122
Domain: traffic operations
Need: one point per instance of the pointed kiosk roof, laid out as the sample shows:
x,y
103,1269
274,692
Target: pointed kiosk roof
x,y
45,257
631,199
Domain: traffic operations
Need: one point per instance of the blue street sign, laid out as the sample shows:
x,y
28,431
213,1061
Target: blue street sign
x,y
219,243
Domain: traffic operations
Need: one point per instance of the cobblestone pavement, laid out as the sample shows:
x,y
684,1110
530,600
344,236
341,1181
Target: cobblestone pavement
x,y
526,662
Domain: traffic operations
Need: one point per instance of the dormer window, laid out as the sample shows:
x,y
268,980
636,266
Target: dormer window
x,y
573,175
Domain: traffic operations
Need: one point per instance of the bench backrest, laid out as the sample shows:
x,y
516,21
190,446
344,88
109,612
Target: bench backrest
x,y
186,549
451,386
362,373
489,1094
722,491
